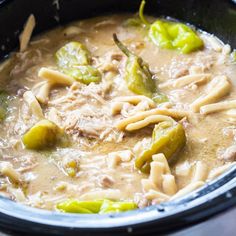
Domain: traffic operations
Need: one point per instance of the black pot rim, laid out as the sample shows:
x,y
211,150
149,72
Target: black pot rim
x,y
212,198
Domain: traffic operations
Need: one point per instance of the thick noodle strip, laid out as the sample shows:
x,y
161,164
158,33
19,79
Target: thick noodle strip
x,y
153,194
147,121
112,194
231,113
215,107
191,79
18,194
187,189
55,77
136,99
186,80
219,170
220,87
201,172
7,169
156,172
213,42
43,92
27,32
147,185
116,107
169,185
176,114
160,157
33,104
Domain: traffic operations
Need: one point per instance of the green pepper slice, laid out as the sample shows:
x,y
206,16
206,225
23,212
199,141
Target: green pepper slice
x,y
85,74
137,74
171,35
74,60
72,54
96,206
115,207
44,134
167,138
83,207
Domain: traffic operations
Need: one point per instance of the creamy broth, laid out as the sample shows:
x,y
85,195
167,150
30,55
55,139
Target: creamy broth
x,y
84,113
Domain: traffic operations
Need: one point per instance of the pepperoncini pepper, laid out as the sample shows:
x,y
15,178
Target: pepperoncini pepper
x,y
112,207
44,134
171,35
96,206
75,206
85,74
137,74
72,54
74,60
167,138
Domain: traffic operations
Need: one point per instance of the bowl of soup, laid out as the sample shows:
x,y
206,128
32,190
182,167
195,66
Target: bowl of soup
x,y
116,117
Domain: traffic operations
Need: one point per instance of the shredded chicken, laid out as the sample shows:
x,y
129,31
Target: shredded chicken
x,y
106,181
25,60
88,120
229,154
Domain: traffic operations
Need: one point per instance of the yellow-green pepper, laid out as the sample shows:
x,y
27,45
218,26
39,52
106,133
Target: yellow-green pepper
x,y
112,207
72,54
137,74
171,35
74,60
84,74
96,206
83,207
44,134
167,138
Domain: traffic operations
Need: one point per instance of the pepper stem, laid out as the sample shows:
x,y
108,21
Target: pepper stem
x,y
141,15
121,46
